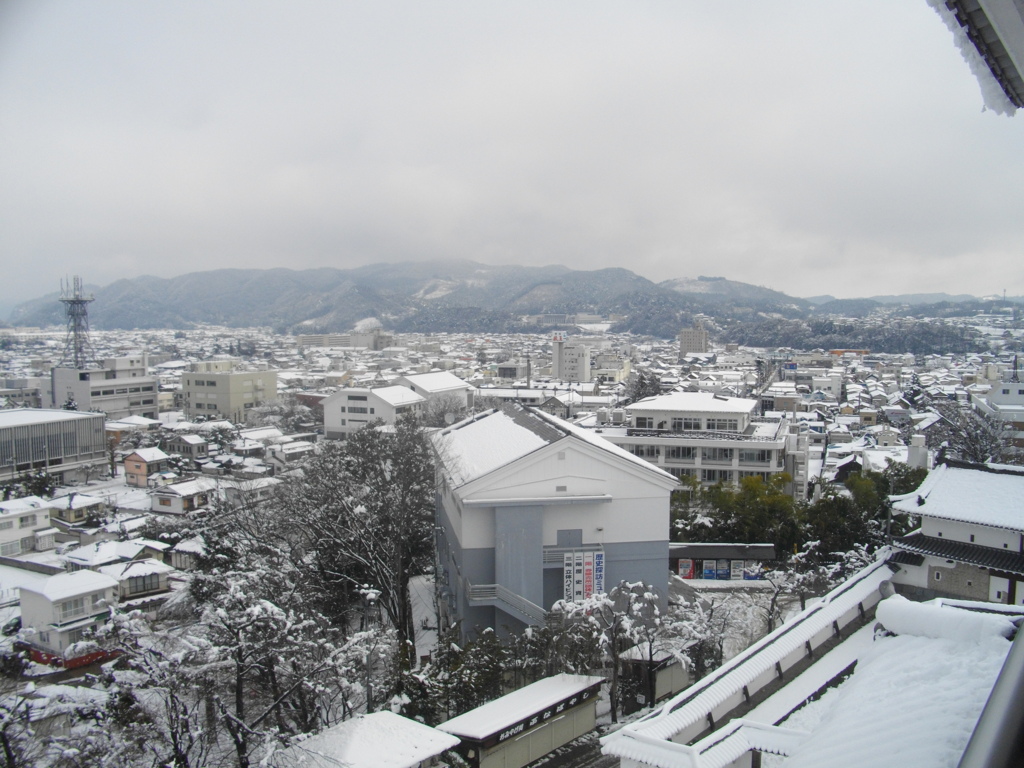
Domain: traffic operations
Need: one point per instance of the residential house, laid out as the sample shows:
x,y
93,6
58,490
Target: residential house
x,y
532,510
193,447
349,410
103,552
60,611
76,508
179,498
25,526
290,454
141,463
142,584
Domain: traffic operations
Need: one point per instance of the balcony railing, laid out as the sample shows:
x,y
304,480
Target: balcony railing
x,y
488,594
702,435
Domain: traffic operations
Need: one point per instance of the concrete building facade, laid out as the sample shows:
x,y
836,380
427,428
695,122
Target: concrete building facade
x,y
69,445
349,410
226,394
118,387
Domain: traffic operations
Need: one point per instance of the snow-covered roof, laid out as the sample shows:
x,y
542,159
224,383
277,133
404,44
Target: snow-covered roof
x,y
480,445
188,487
440,381
65,585
940,684
148,455
396,396
990,495
692,705
376,740
501,713
485,442
147,567
20,417
24,504
103,552
694,402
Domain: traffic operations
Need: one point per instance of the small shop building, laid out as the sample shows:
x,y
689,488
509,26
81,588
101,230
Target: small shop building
x,y
719,562
527,724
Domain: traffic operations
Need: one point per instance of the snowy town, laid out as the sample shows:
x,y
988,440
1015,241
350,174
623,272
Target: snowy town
x,y
226,545
492,385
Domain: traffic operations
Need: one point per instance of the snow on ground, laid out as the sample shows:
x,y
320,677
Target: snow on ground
x,y
113,491
424,614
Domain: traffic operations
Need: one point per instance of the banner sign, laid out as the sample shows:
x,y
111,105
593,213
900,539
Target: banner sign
x,y
582,575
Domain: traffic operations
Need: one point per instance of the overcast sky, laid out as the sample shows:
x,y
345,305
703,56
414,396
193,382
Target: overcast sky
x,y
809,147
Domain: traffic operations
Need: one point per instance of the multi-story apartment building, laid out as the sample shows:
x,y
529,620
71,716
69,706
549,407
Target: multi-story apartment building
x,y
226,394
118,387
693,340
708,437
569,362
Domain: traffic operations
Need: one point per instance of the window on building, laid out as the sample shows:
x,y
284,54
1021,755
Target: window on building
x,y
716,454
148,583
680,452
211,383
645,451
6,524
644,422
10,549
356,409
715,476
71,608
77,635
164,502
723,425
357,397
199,383
26,521
755,457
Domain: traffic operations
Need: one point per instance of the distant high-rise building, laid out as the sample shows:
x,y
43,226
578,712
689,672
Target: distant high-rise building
x,y
569,362
693,340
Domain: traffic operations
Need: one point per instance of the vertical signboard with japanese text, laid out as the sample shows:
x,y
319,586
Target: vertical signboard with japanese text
x,y
583,574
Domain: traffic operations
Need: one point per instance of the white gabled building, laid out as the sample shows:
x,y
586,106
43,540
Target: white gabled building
x,y
970,543
349,410
532,510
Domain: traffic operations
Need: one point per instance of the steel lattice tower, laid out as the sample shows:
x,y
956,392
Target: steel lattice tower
x,y
78,352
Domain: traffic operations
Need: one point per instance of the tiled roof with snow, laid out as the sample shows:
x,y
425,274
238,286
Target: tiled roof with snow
x,y
983,495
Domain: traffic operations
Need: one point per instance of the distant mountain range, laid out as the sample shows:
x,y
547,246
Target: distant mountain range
x,y
432,297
